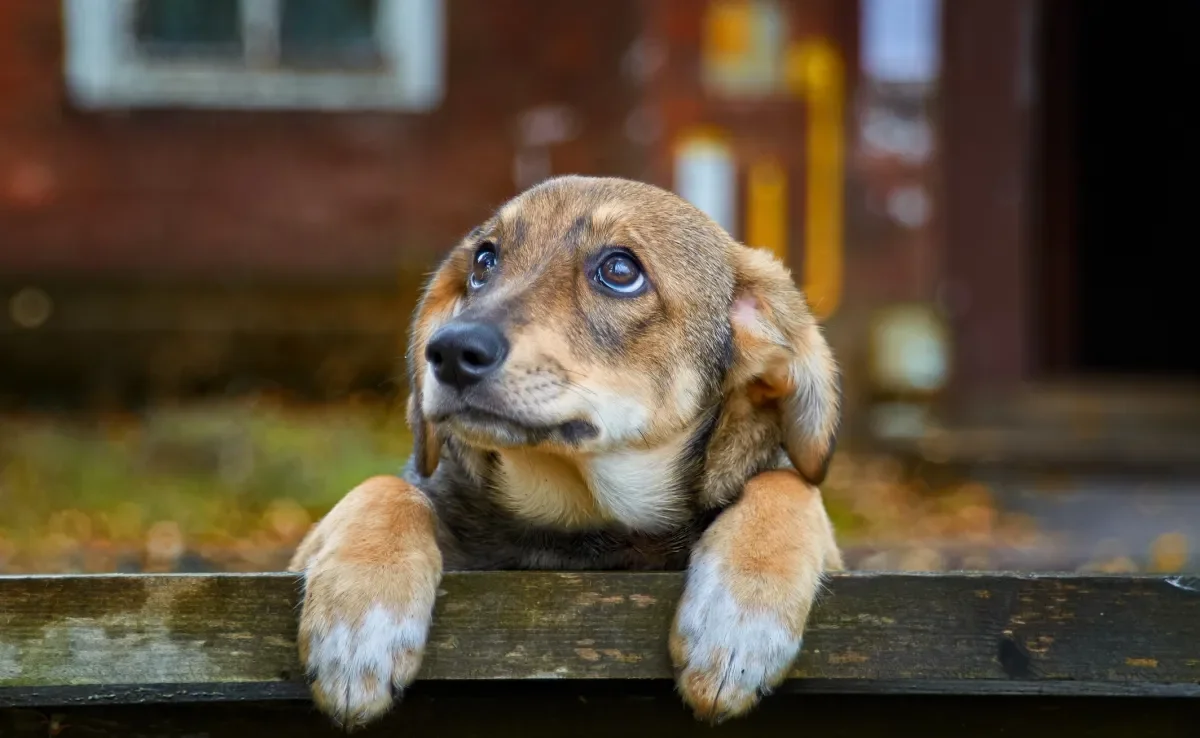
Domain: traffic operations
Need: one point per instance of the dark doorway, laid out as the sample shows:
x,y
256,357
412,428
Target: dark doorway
x,y
1120,217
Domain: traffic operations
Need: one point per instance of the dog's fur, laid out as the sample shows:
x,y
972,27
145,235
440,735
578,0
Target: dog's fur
x,y
686,426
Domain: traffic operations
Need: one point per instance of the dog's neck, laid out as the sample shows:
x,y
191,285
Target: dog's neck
x,y
643,489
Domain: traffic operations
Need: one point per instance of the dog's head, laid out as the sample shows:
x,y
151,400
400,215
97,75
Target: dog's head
x,y
597,321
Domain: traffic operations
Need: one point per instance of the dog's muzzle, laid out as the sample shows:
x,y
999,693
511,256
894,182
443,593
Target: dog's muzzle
x,y
464,353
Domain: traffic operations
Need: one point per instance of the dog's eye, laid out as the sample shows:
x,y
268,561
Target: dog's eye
x,y
620,273
485,263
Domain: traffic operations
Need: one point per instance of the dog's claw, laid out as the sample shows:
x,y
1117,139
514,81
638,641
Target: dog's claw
x,y
359,663
727,656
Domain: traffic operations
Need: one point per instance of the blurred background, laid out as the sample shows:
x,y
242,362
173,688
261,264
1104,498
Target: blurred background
x,y
215,216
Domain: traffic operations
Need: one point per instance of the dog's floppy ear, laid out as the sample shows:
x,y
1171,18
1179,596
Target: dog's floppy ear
x,y
437,305
781,357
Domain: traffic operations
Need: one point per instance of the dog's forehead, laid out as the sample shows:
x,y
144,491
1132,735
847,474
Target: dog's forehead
x,y
583,211
565,198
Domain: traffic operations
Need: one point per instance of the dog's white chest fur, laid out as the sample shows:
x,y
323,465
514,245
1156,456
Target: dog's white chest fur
x,y
637,488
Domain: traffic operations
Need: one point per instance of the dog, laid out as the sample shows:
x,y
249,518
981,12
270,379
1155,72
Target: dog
x,y
601,378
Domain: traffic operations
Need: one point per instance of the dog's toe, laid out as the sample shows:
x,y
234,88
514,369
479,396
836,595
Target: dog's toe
x,y
358,669
360,648
727,655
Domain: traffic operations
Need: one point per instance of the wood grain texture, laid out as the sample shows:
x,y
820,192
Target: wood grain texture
x,y
183,638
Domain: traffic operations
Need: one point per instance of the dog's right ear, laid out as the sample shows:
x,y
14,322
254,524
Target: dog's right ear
x,y
438,303
783,359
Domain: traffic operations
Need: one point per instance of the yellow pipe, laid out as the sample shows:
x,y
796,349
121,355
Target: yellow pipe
x,y
766,207
815,70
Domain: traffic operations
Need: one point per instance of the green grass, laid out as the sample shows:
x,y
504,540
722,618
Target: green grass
x,y
216,471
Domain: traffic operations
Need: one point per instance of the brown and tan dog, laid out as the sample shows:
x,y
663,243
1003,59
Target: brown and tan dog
x,y
601,379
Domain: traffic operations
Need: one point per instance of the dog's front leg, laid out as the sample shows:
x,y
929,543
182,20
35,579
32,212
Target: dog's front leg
x,y
371,570
751,583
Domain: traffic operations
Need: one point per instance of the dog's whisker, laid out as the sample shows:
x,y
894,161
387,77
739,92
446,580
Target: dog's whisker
x,y
579,388
595,410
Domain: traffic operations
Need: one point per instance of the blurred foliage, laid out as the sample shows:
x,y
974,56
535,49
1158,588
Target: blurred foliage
x,y
233,486
892,518
211,487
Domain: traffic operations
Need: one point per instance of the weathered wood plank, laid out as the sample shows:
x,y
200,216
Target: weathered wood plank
x,y
127,638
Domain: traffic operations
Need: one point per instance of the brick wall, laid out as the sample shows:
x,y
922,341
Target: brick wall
x,y
264,196
205,251
256,204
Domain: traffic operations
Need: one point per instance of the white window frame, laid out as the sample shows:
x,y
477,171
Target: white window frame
x,y
105,70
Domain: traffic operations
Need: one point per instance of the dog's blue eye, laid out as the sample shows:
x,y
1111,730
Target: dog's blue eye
x,y
485,262
620,273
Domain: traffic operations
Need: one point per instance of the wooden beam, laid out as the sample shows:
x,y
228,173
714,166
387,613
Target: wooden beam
x,y
184,638
988,92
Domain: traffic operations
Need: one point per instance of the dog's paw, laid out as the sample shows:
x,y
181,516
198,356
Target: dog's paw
x,y
359,646
370,570
729,650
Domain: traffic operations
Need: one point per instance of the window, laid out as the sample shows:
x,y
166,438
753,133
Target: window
x,y
326,54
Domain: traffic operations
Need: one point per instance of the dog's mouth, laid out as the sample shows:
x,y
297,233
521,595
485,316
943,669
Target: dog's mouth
x,y
488,427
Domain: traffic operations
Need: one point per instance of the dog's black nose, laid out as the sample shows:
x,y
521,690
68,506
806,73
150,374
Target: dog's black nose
x,y
463,353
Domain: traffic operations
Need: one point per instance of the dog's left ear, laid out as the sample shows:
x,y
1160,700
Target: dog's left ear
x,y
781,357
437,305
